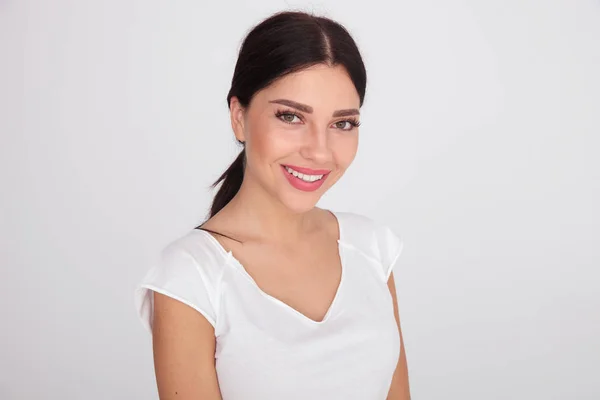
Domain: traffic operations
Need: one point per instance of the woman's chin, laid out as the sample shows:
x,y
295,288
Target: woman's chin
x,y
300,203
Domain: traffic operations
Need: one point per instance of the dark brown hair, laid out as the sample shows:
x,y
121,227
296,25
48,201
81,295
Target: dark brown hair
x,y
284,43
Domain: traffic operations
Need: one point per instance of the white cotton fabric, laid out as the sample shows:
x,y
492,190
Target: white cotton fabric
x,y
266,350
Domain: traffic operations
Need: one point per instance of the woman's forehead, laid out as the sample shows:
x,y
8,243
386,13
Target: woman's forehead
x,y
317,86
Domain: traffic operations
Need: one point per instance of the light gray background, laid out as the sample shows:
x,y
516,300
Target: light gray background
x,y
479,146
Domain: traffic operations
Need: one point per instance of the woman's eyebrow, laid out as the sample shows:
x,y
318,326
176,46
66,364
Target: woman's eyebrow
x,y
308,109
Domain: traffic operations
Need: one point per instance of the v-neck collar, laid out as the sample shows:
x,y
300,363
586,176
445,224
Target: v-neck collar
x,y
230,259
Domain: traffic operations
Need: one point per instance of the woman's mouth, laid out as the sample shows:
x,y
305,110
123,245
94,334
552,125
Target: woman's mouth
x,y
305,179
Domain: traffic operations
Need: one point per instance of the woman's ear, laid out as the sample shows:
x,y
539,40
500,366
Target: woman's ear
x,y
236,113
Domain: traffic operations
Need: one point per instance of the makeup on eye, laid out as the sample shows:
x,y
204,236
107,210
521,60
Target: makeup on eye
x,y
354,123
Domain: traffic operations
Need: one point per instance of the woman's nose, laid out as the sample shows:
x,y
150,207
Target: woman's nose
x,y
317,146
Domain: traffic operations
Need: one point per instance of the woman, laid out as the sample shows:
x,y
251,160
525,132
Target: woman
x,y
273,297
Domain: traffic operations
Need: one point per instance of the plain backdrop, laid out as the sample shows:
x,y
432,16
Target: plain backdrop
x,y
479,146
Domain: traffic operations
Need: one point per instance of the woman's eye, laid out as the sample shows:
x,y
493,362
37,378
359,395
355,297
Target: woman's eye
x,y
287,117
346,125
342,124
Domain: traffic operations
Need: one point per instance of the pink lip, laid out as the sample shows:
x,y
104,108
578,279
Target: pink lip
x,y
303,185
308,171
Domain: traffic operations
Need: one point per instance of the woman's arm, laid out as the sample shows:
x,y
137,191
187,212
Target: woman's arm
x,y
183,343
399,390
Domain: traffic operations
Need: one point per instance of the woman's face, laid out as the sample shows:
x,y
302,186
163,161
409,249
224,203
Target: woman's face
x,y
304,121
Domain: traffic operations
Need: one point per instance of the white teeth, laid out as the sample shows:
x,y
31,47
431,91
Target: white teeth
x,y
306,178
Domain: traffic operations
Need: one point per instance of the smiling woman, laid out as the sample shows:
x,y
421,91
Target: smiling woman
x,y
272,297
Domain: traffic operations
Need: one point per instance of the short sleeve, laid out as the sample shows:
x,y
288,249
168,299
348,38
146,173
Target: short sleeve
x,y
390,247
375,240
177,274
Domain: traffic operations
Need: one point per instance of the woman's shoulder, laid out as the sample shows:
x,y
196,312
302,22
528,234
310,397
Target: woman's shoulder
x,y
189,268
197,244
371,236
192,255
357,227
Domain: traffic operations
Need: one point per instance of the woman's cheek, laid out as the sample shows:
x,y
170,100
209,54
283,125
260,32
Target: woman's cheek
x,y
345,148
283,140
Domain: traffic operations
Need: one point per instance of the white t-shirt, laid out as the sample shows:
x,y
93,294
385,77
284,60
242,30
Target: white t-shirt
x,y
266,350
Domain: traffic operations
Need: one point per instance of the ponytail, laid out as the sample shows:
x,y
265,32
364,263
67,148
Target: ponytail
x,y
232,181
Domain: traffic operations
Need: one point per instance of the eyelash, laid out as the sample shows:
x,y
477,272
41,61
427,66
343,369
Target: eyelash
x,y
355,123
